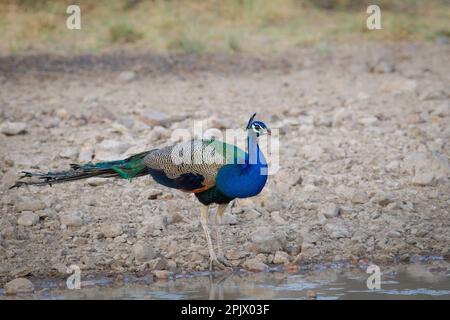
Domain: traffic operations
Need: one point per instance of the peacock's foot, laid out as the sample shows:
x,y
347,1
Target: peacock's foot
x,y
221,263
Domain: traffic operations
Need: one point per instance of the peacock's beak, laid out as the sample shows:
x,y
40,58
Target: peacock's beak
x,y
269,132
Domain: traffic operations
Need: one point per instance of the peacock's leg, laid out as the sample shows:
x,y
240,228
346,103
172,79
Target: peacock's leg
x,y
220,254
212,255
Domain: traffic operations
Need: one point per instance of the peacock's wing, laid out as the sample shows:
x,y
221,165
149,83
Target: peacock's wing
x,y
191,166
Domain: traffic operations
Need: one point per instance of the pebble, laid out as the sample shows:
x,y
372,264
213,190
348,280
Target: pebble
x,y
30,205
86,153
341,115
330,210
126,76
19,285
336,231
265,240
281,257
13,128
359,197
277,218
111,230
382,198
254,265
143,252
311,294
110,149
312,152
69,153
161,274
229,219
71,220
95,182
155,118
28,219
368,121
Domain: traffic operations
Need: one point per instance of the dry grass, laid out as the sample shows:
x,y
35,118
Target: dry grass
x,y
212,26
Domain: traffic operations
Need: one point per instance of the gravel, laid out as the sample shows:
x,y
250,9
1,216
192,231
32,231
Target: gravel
x,y
359,179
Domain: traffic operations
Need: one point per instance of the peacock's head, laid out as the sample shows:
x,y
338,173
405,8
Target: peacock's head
x,y
259,128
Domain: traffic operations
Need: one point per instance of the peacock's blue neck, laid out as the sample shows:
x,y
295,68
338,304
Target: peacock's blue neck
x,y
246,179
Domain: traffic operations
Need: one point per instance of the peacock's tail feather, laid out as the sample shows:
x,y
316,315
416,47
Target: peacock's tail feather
x,y
129,168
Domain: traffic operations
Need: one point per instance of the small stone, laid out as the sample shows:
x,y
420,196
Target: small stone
x,y
110,149
382,198
414,118
161,274
311,294
359,196
126,76
368,121
394,234
19,285
281,257
155,118
69,153
22,272
312,152
28,219
143,252
330,210
229,219
423,178
384,67
95,182
255,265
337,231
86,153
266,241
30,205
13,128
61,113
71,220
111,230
152,194
277,218
157,264
340,116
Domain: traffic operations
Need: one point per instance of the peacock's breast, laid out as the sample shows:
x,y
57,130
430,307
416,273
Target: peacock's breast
x,y
235,182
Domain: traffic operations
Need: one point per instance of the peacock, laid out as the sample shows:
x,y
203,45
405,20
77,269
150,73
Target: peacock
x,y
223,173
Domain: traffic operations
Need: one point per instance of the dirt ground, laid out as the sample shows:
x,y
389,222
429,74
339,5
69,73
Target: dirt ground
x,y
364,156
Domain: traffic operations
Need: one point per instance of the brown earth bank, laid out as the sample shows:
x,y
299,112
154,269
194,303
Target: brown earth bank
x,y
364,148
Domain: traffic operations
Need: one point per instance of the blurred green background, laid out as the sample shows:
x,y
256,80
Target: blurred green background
x,y
195,26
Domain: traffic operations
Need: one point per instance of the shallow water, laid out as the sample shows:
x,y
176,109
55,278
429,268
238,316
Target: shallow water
x,y
412,281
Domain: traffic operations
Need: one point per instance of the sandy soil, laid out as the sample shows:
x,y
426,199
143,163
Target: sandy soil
x,y
364,176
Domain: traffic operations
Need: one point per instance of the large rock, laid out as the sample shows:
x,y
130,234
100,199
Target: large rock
x,y
19,285
13,128
264,240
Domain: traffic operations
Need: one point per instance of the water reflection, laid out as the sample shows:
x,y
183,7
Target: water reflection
x,y
415,281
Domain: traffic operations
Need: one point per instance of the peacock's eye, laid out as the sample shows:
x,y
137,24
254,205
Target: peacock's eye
x,y
257,126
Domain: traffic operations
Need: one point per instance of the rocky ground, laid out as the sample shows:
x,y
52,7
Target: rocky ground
x,y
364,151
